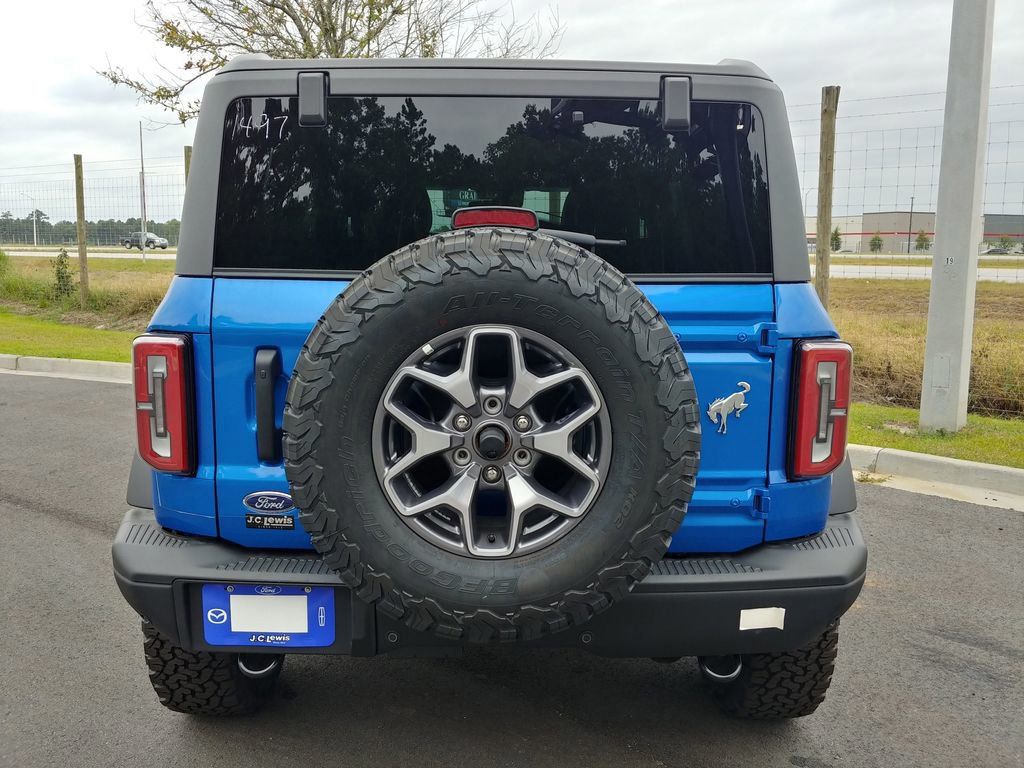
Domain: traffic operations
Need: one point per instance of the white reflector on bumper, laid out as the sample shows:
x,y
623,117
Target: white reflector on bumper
x,y
762,618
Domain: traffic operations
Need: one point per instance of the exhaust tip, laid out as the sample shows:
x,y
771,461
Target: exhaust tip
x,y
720,669
257,665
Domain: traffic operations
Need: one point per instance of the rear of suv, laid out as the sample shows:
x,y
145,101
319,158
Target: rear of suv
x,y
506,352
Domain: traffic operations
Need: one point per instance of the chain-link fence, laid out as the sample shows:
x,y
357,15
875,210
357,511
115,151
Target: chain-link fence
x,y
883,218
37,204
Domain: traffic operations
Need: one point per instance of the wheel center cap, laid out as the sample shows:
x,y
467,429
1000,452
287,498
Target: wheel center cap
x,y
493,442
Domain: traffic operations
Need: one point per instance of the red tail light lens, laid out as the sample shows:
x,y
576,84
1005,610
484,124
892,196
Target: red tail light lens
x,y
822,406
162,368
521,218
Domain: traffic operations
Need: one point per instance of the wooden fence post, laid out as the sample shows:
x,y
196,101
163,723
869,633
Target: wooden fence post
x,y
80,232
826,165
188,160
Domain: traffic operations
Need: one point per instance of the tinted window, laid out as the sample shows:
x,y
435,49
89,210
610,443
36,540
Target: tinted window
x,y
387,171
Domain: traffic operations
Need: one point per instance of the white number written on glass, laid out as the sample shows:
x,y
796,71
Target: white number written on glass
x,y
265,126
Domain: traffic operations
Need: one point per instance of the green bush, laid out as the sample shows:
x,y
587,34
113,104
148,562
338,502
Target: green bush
x,y
63,280
5,263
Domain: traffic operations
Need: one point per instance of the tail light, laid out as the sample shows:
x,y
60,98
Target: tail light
x,y
480,216
162,368
821,407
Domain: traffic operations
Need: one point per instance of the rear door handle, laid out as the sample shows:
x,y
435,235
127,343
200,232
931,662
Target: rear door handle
x,y
268,437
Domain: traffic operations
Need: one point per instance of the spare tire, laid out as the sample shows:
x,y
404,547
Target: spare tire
x,y
491,435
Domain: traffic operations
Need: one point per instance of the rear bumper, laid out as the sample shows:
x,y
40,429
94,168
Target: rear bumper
x,y
689,606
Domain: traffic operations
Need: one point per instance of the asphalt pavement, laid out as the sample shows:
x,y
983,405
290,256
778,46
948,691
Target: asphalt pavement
x,y
929,672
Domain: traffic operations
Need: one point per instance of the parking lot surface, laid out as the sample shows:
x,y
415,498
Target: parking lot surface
x,y
929,673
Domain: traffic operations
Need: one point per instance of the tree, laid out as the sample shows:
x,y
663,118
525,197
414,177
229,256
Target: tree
x,y
876,243
1006,242
922,242
836,240
205,34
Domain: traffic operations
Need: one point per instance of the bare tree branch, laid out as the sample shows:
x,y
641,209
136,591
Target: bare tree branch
x,y
207,33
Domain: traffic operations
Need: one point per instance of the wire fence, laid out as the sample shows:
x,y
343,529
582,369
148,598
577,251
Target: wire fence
x,y
37,204
883,217
887,158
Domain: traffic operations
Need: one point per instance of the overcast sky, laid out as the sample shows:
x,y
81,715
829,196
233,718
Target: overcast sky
x,y
54,103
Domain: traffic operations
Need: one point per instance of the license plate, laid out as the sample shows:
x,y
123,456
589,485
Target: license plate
x,y
268,615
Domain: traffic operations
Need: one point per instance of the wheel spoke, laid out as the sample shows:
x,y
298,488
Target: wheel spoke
x,y
527,385
458,385
556,440
427,439
456,494
524,494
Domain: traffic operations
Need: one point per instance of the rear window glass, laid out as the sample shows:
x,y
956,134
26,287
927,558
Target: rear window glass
x,y
387,171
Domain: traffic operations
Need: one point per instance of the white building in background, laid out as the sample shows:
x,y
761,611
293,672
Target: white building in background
x,y
899,231
850,233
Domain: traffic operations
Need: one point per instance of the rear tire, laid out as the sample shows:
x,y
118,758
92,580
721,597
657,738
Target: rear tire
x,y
200,682
773,686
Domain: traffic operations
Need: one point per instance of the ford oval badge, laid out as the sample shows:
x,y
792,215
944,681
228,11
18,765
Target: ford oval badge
x,y
268,501
267,589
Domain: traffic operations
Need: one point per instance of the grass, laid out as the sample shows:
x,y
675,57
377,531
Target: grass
x,y
922,261
885,320
27,335
122,292
985,438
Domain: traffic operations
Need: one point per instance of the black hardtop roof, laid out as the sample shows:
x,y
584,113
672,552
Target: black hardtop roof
x,y
727,67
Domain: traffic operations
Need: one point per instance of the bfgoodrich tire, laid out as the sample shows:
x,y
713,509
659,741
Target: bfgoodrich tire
x,y
644,441
203,683
774,686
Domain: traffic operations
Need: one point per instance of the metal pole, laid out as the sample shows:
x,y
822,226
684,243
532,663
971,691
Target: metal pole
x,y
188,160
142,195
809,190
910,224
32,200
947,359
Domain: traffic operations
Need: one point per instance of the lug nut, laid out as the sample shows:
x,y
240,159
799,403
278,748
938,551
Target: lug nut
x,y
521,457
462,422
492,474
461,456
492,405
522,422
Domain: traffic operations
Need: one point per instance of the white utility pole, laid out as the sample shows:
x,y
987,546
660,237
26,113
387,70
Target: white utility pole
x,y
947,361
35,232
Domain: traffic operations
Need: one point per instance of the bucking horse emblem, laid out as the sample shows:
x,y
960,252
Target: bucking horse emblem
x,y
736,403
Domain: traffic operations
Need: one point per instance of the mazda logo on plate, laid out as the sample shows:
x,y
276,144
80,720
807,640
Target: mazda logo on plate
x,y
217,615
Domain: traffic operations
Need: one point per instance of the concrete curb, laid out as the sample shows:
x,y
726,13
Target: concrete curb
x,y
938,469
95,370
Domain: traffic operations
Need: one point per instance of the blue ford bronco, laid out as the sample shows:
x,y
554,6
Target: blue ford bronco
x,y
491,352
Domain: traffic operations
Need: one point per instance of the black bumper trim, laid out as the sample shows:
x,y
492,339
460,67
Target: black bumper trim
x,y
687,606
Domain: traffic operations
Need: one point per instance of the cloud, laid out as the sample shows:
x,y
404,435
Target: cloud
x,y
55,104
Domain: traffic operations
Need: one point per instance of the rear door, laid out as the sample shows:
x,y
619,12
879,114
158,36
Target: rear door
x,y
301,209
254,319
